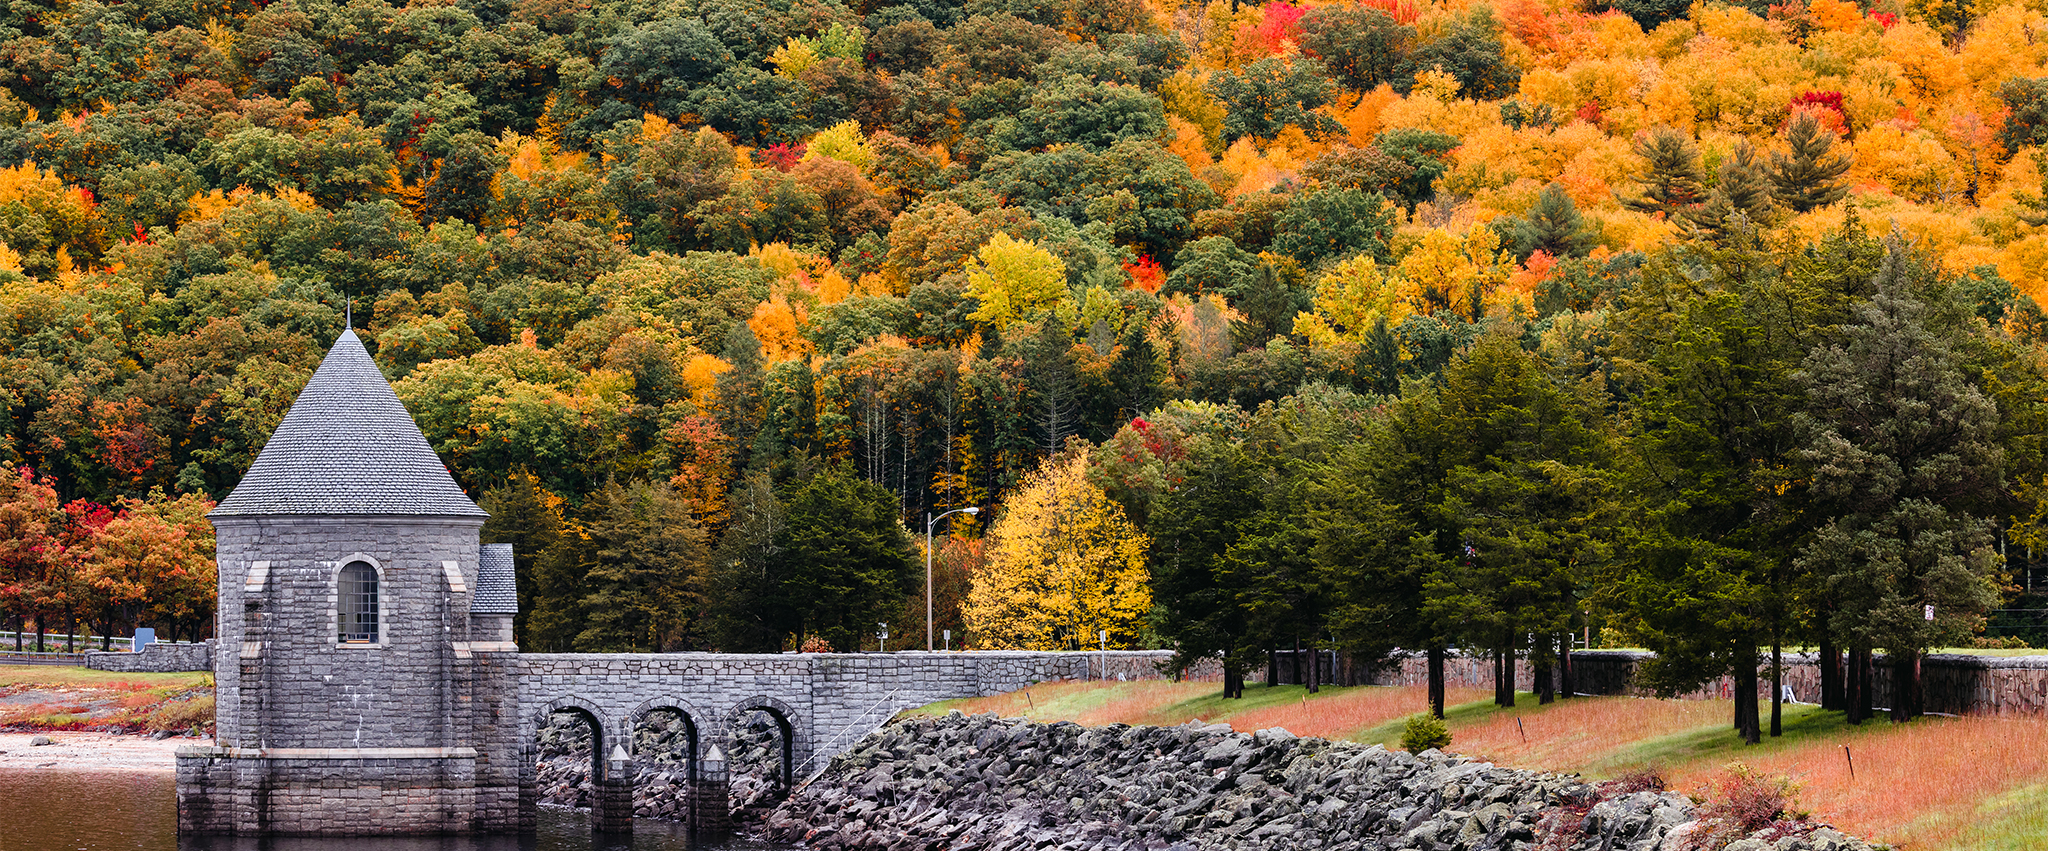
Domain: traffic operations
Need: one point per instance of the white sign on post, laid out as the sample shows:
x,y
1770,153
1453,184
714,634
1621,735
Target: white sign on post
x,y
1930,612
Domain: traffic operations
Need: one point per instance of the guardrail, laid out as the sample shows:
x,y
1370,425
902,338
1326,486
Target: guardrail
x,y
9,657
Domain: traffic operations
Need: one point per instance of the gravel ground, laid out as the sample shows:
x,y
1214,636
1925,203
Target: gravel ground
x,y
93,752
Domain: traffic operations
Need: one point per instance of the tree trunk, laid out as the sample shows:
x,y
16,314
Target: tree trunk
x,y
1777,689
1539,662
70,630
1830,661
1745,701
1859,697
1564,667
1504,674
1905,685
1436,680
1315,670
1273,667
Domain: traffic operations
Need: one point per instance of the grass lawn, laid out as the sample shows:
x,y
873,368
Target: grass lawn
x,y
1937,783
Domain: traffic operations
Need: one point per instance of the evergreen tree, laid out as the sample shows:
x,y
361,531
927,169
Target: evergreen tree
x,y
1742,189
1709,567
1522,492
842,561
644,561
1554,225
1672,182
1808,176
740,573
529,518
1904,454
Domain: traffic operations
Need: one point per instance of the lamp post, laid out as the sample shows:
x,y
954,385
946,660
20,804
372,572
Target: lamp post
x,y
929,523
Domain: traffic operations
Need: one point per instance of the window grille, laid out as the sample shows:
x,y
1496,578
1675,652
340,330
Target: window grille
x,y
358,603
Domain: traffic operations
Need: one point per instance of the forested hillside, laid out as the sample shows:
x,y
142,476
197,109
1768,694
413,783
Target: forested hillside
x,y
1717,323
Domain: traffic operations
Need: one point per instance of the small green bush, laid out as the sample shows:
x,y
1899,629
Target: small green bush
x,y
1423,732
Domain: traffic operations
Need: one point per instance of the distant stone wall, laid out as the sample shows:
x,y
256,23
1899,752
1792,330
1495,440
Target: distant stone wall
x,y
159,658
2012,686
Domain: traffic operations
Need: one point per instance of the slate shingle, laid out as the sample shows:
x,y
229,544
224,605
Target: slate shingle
x,y
496,593
347,446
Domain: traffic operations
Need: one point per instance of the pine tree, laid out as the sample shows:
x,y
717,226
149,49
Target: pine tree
x,y
1743,190
1809,176
1672,182
1904,452
1555,226
645,554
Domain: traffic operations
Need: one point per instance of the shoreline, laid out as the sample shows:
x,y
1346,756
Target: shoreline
x,y
92,751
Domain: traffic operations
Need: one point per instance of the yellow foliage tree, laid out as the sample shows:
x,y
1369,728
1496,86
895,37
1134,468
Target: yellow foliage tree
x,y
779,326
1462,275
1063,563
843,142
1014,280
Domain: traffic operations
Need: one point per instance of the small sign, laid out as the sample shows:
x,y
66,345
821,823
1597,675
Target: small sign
x,y
1930,613
144,637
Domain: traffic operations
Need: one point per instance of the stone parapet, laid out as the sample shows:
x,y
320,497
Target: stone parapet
x,y
159,658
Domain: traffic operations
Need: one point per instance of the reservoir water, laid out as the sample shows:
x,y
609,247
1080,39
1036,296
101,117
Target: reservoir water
x,y
122,811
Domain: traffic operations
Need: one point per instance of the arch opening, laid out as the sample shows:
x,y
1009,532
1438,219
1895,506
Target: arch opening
x,y
665,748
760,759
570,748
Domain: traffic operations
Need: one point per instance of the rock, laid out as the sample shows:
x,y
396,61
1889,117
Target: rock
x,y
987,784
42,740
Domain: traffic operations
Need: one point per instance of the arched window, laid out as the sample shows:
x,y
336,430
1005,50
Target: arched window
x,y
358,603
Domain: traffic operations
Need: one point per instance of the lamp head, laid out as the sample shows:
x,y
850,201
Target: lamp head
x,y
970,510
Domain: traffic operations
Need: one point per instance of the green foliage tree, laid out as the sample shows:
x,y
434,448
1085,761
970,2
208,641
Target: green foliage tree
x,y
643,558
1807,176
1905,466
1269,95
1328,224
1553,226
1470,51
842,561
1672,182
1360,46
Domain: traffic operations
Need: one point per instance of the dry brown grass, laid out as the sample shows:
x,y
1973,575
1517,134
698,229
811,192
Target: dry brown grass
x,y
1579,733
1918,784
1343,714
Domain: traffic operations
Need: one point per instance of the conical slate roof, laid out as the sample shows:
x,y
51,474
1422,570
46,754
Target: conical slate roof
x,y
346,447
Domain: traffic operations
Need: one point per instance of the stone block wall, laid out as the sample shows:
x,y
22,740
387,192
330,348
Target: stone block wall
x,y
2011,686
159,658
314,792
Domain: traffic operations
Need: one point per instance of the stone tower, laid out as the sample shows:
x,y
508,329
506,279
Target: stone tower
x,y
365,682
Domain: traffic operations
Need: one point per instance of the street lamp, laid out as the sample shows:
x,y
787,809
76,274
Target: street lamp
x,y
929,523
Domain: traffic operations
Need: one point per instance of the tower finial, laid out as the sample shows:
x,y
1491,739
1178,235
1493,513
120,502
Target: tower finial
x,y
348,310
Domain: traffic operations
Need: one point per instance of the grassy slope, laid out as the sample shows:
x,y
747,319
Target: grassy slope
x,y
1969,783
36,697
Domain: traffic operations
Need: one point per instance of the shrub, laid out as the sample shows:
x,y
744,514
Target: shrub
x,y
181,715
1423,732
1744,802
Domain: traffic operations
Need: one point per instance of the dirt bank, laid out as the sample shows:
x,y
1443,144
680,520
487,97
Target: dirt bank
x,y
92,752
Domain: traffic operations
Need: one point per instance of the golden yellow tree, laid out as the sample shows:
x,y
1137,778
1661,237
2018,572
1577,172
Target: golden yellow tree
x,y
1063,564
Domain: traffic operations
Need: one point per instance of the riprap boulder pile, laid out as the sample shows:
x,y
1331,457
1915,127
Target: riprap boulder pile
x,y
988,784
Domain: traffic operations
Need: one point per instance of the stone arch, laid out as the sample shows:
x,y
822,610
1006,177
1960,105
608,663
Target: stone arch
x,y
691,726
601,736
795,744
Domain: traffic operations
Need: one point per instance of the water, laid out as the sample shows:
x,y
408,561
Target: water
x,y
121,811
